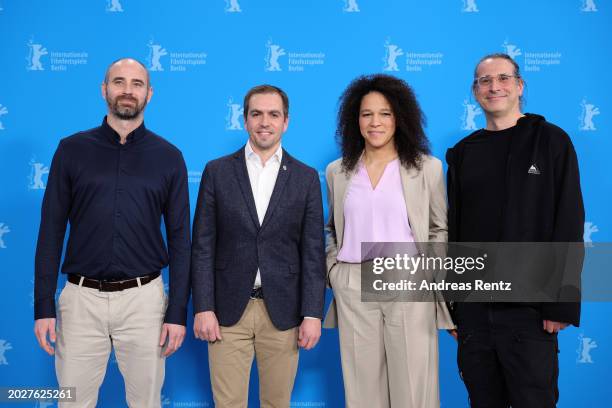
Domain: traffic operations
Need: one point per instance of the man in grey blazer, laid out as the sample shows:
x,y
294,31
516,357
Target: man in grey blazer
x,y
258,260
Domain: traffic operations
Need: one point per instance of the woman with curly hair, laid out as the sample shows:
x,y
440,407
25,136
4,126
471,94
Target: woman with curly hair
x,y
386,187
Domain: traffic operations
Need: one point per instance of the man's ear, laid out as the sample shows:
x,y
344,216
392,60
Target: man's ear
x,y
150,93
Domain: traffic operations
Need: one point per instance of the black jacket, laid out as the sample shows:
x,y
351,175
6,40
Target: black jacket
x,y
543,197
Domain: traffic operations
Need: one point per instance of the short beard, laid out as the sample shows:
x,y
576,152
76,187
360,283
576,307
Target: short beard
x,y
126,113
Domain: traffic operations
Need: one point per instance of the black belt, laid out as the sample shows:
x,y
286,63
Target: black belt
x,y
257,293
109,286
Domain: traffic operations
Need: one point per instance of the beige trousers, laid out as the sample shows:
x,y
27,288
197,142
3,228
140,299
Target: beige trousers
x,y
389,350
230,360
90,323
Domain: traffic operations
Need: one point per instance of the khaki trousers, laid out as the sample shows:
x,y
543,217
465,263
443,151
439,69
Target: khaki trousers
x,y
230,360
389,350
90,323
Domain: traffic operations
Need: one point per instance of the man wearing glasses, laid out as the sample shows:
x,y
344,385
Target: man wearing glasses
x,y
514,181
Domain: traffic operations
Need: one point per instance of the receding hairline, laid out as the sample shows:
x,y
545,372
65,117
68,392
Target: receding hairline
x,y
493,59
117,61
500,56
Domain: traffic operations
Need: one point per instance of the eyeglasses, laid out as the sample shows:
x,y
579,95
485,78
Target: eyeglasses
x,y
503,79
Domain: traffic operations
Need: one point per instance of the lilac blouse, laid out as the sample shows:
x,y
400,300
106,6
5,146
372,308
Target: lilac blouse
x,y
374,215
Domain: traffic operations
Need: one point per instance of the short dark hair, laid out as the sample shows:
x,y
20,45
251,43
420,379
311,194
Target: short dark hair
x,y
500,55
266,89
125,59
410,139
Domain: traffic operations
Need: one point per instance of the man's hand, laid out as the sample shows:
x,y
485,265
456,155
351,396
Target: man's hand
x,y
41,328
174,333
453,332
309,333
206,326
554,327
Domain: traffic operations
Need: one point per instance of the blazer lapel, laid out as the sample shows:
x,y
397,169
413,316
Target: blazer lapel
x,y
279,186
341,183
413,197
242,175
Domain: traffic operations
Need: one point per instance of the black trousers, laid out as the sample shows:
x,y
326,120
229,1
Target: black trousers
x,y
505,357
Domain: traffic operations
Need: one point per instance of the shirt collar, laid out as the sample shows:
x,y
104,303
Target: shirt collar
x,y
134,136
251,155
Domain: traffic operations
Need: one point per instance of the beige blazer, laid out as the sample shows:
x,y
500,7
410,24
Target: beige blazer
x,y
425,197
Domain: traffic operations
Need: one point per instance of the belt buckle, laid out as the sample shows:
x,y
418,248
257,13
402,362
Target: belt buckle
x,y
256,293
108,286
102,286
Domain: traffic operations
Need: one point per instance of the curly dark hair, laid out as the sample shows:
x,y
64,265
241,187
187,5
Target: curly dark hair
x,y
410,139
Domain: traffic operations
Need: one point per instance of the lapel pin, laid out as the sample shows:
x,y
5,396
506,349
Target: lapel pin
x,y
284,167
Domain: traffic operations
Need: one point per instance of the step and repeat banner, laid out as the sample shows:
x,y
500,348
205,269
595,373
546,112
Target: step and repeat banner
x,y
204,55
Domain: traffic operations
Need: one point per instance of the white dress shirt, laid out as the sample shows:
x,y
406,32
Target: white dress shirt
x,y
263,179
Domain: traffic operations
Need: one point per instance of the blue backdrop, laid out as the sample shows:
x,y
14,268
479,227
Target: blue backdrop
x,y
205,55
